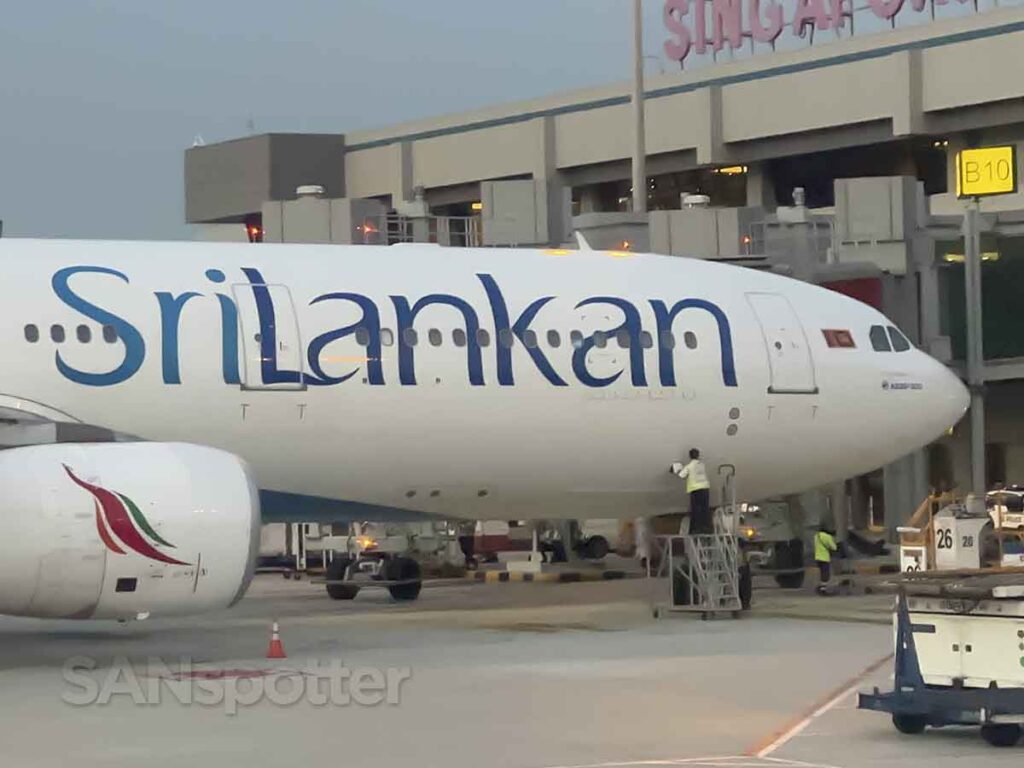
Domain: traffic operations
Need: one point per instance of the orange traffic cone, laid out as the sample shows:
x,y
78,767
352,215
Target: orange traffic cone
x,y
276,649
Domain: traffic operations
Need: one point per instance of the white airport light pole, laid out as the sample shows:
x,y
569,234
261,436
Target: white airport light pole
x,y
639,129
975,353
980,173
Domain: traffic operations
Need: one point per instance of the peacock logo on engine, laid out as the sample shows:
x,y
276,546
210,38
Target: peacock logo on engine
x,y
121,524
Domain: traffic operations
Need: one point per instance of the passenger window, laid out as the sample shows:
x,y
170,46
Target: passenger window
x,y
879,340
387,338
576,338
554,340
483,338
57,333
434,336
362,337
899,341
623,338
109,334
530,339
600,339
690,340
668,340
31,334
646,340
459,337
84,334
505,338
410,338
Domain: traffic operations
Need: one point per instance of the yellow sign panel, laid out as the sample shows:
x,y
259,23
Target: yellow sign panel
x,y
986,171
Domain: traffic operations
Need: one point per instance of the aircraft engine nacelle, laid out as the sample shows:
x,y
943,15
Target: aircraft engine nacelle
x,y
122,530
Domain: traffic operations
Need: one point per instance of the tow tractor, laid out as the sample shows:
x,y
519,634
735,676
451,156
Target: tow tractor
x,y
959,654
772,541
359,555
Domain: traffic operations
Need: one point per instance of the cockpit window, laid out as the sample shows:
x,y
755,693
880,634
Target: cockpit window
x,y
879,339
899,341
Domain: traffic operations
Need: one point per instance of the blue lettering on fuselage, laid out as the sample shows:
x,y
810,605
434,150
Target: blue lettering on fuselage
x,y
503,327
368,331
268,331
406,317
134,345
630,325
369,322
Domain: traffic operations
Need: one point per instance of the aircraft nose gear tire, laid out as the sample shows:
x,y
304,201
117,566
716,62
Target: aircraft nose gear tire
x,y
404,569
336,572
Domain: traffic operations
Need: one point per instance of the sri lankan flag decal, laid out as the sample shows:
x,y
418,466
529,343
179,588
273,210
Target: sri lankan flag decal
x,y
121,524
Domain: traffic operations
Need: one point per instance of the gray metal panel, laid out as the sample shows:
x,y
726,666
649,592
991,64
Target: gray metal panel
x,y
228,181
224,182
298,158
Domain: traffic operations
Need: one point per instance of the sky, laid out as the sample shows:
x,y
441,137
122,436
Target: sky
x,y
99,99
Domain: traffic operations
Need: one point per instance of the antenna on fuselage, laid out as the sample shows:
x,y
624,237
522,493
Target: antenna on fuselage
x,y
582,242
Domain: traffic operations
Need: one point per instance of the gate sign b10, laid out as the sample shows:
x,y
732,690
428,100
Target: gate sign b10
x,y
986,171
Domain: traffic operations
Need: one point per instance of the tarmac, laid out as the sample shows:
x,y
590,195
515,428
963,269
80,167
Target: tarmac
x,y
541,675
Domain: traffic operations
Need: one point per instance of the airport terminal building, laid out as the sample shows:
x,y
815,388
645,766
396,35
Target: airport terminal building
x,y
784,141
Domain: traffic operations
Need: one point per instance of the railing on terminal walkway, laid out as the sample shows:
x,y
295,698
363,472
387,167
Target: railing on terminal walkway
x,y
450,231
774,239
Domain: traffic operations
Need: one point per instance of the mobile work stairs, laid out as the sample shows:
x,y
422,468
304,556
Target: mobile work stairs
x,y
704,569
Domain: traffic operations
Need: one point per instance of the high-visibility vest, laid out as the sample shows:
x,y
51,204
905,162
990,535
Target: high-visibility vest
x,y
824,546
696,476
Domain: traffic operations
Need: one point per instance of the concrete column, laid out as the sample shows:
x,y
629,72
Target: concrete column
x,y
590,201
554,199
840,510
906,485
908,87
710,147
929,309
406,174
760,188
859,497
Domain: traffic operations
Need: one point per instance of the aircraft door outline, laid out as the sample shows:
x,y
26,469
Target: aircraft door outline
x,y
791,365
271,348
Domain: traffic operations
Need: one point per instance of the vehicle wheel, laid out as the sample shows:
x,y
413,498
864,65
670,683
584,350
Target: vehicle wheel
x,y
597,548
404,569
1002,735
790,580
789,554
909,724
336,572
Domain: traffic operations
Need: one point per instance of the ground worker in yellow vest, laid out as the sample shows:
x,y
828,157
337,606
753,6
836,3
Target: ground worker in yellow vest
x,y
824,546
697,485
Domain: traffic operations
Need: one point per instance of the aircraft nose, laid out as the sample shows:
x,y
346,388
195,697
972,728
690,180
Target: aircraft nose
x,y
951,397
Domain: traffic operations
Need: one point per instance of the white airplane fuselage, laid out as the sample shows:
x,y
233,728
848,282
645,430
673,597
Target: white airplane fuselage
x,y
280,354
